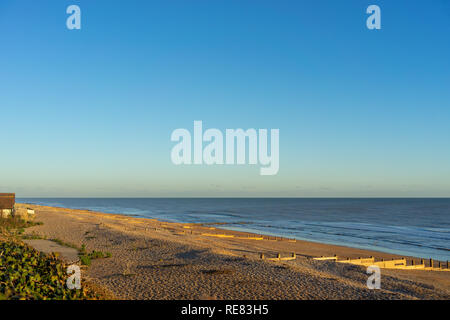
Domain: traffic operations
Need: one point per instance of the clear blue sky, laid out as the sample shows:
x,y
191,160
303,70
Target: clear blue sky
x,y
89,112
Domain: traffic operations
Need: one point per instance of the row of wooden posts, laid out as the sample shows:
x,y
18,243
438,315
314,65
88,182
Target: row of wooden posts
x,y
293,255
394,263
248,236
279,258
422,262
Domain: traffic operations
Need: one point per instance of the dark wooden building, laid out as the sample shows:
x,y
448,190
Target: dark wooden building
x,y
7,201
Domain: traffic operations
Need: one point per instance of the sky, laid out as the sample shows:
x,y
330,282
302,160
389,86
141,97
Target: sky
x,y
90,112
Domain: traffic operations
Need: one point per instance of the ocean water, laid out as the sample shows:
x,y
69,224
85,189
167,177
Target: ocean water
x,y
415,227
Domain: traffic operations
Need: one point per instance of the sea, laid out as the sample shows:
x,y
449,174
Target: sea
x,y
407,226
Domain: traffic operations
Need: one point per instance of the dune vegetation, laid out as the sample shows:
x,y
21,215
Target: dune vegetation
x,y
26,273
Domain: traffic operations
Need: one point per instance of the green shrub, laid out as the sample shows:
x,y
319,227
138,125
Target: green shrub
x,y
85,260
28,274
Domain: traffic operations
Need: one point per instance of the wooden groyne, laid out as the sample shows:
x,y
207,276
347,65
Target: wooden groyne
x,y
279,257
393,264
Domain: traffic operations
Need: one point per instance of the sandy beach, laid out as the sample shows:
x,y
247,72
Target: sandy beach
x,y
151,259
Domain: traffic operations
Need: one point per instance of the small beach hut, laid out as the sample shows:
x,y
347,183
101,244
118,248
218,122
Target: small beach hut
x,y
7,201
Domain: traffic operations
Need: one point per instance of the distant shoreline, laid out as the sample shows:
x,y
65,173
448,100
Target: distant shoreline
x,y
351,231
152,259
231,230
221,226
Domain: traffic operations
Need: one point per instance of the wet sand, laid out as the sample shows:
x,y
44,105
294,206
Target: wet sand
x,y
159,260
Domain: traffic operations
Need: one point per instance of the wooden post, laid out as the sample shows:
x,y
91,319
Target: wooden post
x,y
431,263
279,256
293,255
262,256
422,262
447,265
412,262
